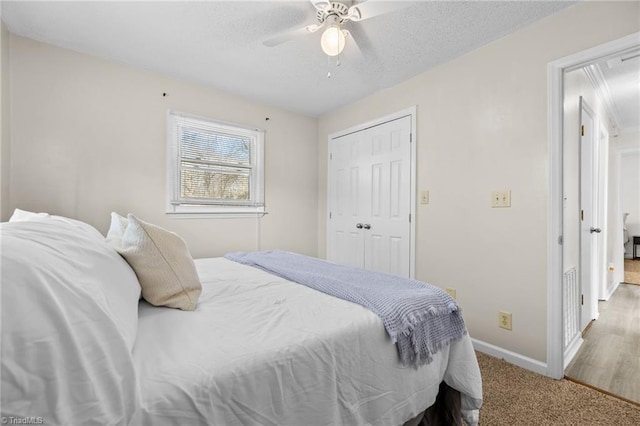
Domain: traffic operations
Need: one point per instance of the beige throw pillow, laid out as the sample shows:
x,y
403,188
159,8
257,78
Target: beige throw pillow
x,y
160,259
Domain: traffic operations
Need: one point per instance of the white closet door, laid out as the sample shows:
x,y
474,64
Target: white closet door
x,y
387,244
370,198
346,199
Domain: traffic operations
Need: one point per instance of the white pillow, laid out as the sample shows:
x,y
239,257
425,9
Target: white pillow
x,y
116,229
161,261
25,216
84,259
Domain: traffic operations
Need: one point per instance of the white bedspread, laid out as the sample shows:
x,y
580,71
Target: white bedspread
x,y
260,350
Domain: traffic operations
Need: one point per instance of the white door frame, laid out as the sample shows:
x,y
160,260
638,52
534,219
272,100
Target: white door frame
x,y
555,99
412,112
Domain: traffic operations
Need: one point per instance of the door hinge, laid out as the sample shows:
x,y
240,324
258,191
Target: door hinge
x,y
330,215
560,240
409,217
410,137
331,156
582,299
581,214
582,130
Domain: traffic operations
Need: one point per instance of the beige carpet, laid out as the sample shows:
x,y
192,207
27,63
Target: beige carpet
x,y
514,396
632,271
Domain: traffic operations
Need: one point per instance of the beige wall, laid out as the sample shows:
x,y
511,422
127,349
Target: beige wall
x,y
89,137
5,125
482,126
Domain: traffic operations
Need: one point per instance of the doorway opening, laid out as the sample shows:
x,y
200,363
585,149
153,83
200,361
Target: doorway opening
x,y
559,349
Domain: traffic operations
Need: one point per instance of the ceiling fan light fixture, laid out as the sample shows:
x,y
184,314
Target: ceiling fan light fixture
x,y
332,41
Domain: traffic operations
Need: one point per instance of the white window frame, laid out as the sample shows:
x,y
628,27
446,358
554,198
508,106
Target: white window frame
x,y
194,208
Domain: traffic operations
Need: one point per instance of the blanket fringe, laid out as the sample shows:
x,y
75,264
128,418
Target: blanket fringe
x,y
418,358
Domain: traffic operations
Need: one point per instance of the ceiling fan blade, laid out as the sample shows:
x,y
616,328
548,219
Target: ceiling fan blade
x,y
320,4
290,35
371,8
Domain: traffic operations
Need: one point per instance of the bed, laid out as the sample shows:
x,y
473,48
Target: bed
x,y
79,346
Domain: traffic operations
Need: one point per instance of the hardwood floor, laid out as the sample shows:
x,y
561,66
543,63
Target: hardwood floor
x,y
609,358
632,271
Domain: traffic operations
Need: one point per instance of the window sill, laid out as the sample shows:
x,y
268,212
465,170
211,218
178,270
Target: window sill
x,y
216,212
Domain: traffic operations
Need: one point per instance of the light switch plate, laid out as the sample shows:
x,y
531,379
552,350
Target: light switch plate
x,y
424,197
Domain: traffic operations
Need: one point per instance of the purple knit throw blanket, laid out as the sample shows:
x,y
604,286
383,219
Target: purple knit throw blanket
x,y
420,318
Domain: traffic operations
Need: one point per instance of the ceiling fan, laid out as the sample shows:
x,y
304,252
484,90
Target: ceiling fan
x,y
333,14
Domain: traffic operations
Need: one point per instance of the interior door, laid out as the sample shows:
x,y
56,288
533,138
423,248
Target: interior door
x,y
345,242
370,198
387,230
589,217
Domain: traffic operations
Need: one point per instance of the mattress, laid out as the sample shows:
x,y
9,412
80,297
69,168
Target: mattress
x,y
261,350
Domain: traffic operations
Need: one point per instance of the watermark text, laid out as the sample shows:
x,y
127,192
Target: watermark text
x,y
29,420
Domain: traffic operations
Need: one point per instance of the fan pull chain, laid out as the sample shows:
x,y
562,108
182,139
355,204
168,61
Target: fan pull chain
x,y
338,63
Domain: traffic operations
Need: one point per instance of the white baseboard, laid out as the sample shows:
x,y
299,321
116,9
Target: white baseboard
x,y
572,349
610,291
511,357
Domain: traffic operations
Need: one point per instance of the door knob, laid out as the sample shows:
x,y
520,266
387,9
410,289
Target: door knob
x,y
596,230
359,225
367,226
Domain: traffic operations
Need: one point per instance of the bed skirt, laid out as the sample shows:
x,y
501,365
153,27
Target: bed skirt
x,y
446,411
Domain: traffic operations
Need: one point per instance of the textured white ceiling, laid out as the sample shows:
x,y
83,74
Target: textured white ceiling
x,y
219,43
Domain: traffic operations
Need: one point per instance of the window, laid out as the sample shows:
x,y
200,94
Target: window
x,y
213,167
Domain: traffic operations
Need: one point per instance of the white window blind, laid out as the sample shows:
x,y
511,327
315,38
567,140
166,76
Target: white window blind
x,y
213,167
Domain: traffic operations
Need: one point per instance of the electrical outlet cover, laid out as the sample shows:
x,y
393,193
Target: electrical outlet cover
x,y
504,320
